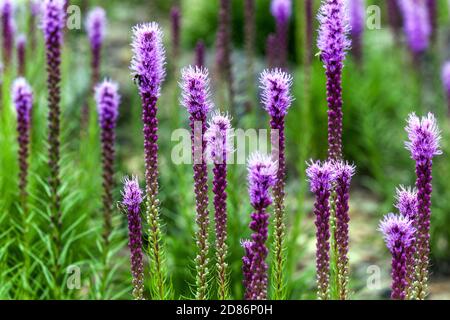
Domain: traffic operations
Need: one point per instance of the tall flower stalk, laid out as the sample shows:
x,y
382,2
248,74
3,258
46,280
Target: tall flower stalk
x,y
22,95
276,99
21,44
321,177
196,99
343,176
333,44
95,27
246,268
423,143
262,171
223,51
7,17
281,10
218,150
398,233
148,66
132,199
107,98
357,14
53,19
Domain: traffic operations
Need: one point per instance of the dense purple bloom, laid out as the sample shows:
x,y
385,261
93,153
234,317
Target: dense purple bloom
x,y
200,54
344,172
416,24
148,66
95,27
398,232
107,99
175,16
246,267
321,177
276,99
8,29
218,149
407,202
446,81
196,99
357,11
281,11
424,143
132,199
21,44
22,96
333,44
262,172
53,18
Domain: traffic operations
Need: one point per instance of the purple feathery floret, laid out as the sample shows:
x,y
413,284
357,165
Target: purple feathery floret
x,y
149,59
8,29
416,24
281,9
276,97
445,76
108,99
21,43
424,144
132,199
196,99
407,202
22,96
262,172
333,44
344,173
218,149
357,11
398,232
321,177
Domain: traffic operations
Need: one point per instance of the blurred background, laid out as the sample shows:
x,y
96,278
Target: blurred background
x,y
379,90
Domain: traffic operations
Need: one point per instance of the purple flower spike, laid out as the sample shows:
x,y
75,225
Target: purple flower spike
x,y
21,44
321,178
344,173
22,95
446,82
132,199
107,99
175,16
148,66
398,233
218,149
432,12
333,44
424,143
357,14
276,99
53,19
246,267
8,29
196,99
262,171
281,11
407,202
416,24
95,27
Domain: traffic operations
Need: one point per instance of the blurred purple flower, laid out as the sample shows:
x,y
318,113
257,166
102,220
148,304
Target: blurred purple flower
x,y
175,16
21,43
281,11
416,24
95,27
357,14
446,81
8,29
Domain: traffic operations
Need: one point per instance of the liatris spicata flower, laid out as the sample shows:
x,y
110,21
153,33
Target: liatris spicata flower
x,y
357,10
200,54
321,178
53,18
423,143
281,10
107,98
21,43
398,233
407,206
223,50
333,44
276,99
271,54
343,174
148,66
7,16
175,16
446,82
416,24
246,267
262,175
23,99
218,149
196,99
132,199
